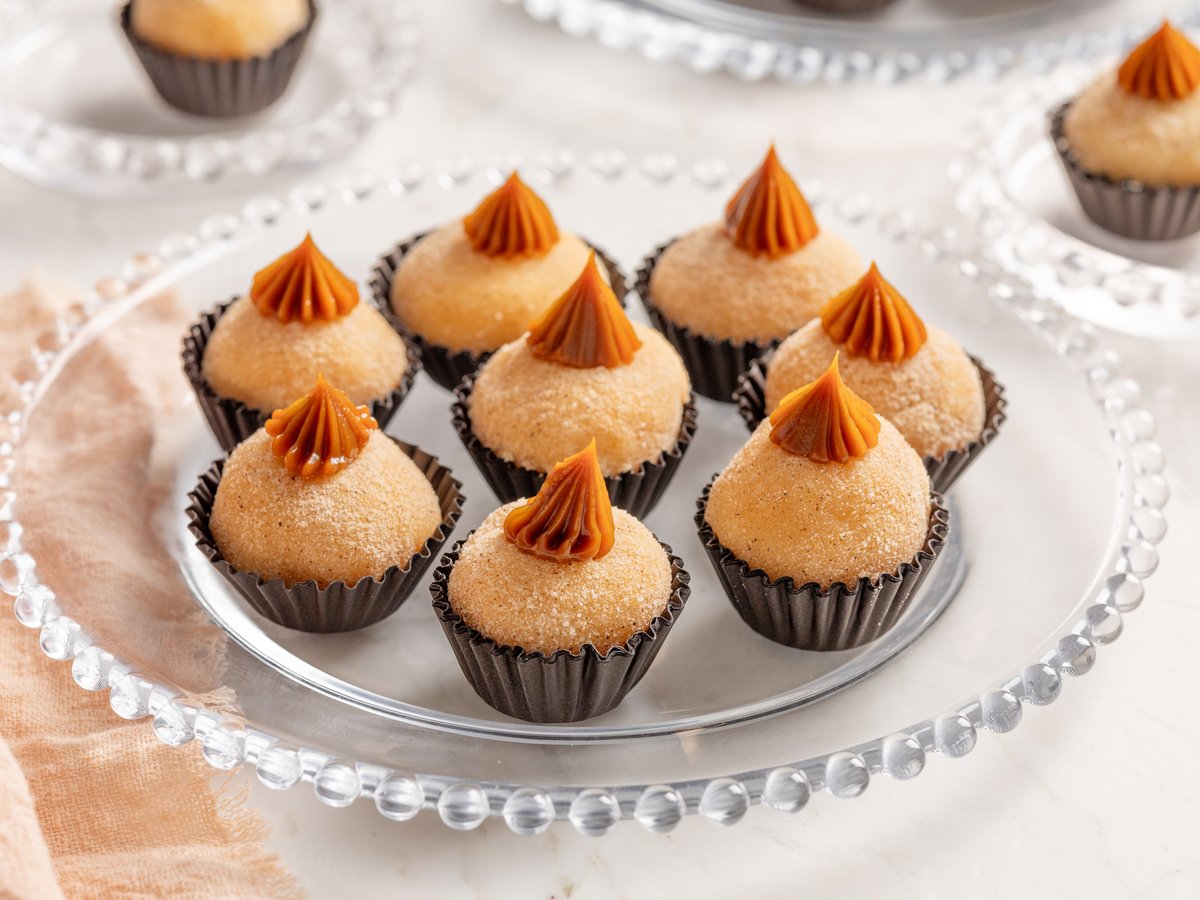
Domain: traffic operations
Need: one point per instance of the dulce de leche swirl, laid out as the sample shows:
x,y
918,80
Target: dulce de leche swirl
x,y
571,518
825,421
321,433
304,286
768,216
872,319
512,222
1166,66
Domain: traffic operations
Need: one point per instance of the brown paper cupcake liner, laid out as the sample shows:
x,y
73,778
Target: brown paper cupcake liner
x,y
944,470
635,492
232,421
219,88
808,618
1129,208
445,366
562,687
713,365
340,606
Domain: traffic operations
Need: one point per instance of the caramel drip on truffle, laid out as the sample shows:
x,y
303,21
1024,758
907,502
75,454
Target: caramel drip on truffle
x,y
321,433
303,285
586,327
571,518
511,222
1166,66
825,421
768,214
873,320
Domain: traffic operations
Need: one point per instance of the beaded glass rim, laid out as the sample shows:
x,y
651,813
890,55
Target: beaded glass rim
x,y
228,743
122,158
1024,244
662,31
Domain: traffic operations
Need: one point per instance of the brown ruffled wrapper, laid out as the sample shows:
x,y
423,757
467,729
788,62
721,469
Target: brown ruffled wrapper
x,y
232,421
339,607
219,87
847,6
1129,208
808,618
562,687
714,365
636,492
944,470
445,366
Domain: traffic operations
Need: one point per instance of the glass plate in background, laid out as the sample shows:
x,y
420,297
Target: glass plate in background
x,y
932,39
1012,186
1056,525
77,112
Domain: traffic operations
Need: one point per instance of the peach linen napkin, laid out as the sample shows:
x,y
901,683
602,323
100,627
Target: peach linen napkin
x,y
92,805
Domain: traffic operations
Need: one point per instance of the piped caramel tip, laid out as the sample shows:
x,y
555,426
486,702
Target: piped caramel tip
x,y
571,518
321,433
304,286
872,319
585,328
1166,66
769,215
825,421
512,222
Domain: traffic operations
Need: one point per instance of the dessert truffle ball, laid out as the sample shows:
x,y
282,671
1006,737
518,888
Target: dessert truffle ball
x,y
584,371
760,274
320,493
562,570
914,375
218,29
302,318
477,283
823,492
1143,121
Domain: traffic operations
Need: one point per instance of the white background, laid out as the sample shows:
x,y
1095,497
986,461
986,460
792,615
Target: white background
x,y
1095,796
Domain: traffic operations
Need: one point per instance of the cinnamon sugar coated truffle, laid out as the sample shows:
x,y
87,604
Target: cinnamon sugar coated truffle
x,y
375,513
534,412
543,605
710,285
1122,135
452,295
935,398
267,364
218,29
822,522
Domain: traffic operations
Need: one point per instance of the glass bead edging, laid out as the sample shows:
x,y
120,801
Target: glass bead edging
x,y
387,68
661,37
530,809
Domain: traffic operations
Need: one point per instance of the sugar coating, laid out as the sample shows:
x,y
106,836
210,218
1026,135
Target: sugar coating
x,y
822,522
1121,135
704,282
935,398
375,513
541,605
534,413
266,364
453,296
218,29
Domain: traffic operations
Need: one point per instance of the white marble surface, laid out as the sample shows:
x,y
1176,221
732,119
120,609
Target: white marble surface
x,y
1094,796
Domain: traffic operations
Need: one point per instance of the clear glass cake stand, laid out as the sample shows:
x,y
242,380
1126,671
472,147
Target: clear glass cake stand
x,y
1055,531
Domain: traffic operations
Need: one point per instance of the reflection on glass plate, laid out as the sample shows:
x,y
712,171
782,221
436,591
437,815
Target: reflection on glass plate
x,y
78,113
1048,556
933,39
1014,189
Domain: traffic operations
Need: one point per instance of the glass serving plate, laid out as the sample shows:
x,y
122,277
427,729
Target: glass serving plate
x,y
933,39
107,133
1013,188
1055,529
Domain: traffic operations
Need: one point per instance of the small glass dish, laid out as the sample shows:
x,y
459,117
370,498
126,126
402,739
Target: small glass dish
x,y
77,112
1055,530
1012,186
929,39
